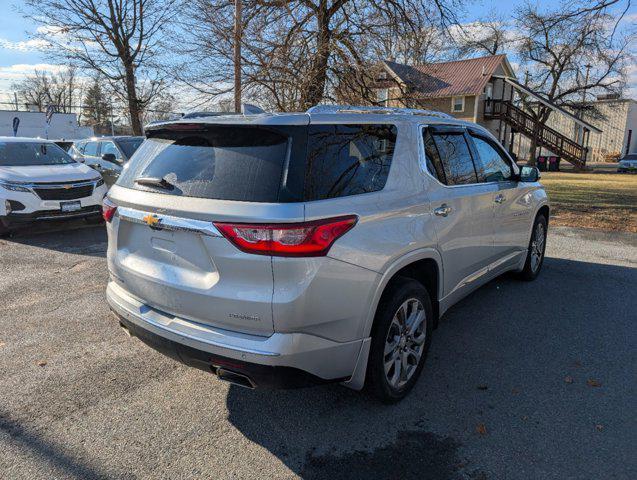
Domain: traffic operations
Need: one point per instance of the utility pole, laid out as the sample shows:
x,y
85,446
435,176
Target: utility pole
x,y
588,69
237,55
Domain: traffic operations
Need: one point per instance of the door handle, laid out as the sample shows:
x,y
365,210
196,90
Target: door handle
x,y
500,198
443,210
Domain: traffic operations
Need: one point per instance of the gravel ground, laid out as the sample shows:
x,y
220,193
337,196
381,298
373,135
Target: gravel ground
x,y
524,381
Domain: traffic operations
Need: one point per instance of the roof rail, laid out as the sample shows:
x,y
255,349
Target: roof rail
x,y
376,110
246,109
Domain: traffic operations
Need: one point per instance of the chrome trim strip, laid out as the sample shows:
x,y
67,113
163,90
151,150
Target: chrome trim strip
x,y
83,183
122,307
169,222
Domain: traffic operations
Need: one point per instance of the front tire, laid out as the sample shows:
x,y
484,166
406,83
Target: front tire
x,y
400,340
537,247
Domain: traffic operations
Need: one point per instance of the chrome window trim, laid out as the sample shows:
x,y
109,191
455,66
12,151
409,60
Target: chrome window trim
x,y
422,161
169,222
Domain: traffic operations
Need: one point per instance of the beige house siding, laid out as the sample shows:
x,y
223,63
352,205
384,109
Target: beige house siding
x,y
437,104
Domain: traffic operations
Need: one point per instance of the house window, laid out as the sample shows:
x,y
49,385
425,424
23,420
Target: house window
x,y
383,97
457,104
488,90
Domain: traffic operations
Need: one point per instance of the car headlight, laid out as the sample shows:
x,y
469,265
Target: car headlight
x,y
100,182
14,187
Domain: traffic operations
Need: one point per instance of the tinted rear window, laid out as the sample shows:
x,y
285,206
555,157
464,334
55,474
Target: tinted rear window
x,y
263,164
229,163
129,145
23,154
347,160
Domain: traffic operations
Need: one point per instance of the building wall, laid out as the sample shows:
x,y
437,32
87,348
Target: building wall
x,y
33,125
631,127
616,119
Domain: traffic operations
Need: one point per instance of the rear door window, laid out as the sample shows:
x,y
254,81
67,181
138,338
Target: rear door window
x,y
91,149
492,164
454,156
345,160
215,162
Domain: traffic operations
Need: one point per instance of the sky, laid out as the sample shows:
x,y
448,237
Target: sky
x,y
19,55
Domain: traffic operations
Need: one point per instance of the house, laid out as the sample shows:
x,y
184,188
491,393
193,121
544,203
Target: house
x,y
616,116
484,90
458,88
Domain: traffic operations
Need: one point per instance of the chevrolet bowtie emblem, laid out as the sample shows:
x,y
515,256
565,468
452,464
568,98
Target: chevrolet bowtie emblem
x,y
152,220
67,187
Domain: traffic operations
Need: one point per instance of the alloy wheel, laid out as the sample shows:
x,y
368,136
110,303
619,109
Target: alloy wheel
x,y
537,246
405,342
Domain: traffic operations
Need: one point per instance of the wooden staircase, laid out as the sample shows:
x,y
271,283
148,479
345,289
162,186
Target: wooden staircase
x,y
521,122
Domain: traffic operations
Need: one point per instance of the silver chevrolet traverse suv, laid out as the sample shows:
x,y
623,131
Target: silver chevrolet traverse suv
x,y
280,250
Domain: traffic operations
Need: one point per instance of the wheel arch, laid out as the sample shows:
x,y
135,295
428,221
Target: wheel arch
x,y
424,266
545,210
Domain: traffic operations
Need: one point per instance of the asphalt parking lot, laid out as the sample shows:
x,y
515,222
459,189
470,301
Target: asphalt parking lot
x,y
524,381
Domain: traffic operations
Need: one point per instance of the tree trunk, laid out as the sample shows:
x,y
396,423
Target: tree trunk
x,y
133,102
313,94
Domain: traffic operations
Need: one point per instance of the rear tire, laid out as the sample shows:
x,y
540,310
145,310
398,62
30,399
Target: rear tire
x,y
400,340
537,247
4,230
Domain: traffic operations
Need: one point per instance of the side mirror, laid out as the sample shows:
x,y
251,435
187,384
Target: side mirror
x,y
109,157
529,174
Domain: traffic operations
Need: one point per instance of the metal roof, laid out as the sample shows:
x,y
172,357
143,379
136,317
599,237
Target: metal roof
x,y
447,79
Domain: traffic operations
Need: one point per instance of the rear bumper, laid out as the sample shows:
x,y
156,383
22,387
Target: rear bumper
x,y
281,360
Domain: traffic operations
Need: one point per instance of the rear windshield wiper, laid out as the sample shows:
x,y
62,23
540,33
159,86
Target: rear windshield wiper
x,y
154,182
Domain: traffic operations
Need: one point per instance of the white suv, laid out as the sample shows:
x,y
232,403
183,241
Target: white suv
x,y
40,181
287,249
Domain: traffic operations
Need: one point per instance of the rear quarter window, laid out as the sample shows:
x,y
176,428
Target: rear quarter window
x,y
345,160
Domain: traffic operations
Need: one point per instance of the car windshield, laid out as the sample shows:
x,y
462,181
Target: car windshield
x,y
129,145
24,154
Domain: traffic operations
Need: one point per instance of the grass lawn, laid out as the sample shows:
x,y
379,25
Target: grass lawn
x,y
603,201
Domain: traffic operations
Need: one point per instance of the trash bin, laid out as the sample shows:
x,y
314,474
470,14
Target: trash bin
x,y
541,163
554,164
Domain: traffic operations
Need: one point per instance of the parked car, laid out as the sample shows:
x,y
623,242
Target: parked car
x,y
64,144
280,250
628,163
107,155
40,181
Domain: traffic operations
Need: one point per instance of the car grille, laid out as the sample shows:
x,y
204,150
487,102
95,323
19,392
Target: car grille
x,y
69,193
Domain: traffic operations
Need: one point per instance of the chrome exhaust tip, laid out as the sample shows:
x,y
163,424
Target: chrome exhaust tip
x,y
125,328
235,378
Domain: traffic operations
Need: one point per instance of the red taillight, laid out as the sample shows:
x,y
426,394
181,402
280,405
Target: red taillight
x,y
108,209
307,239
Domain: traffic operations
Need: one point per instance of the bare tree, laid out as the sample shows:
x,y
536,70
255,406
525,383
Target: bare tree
x,y
568,51
43,89
487,36
297,53
119,39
